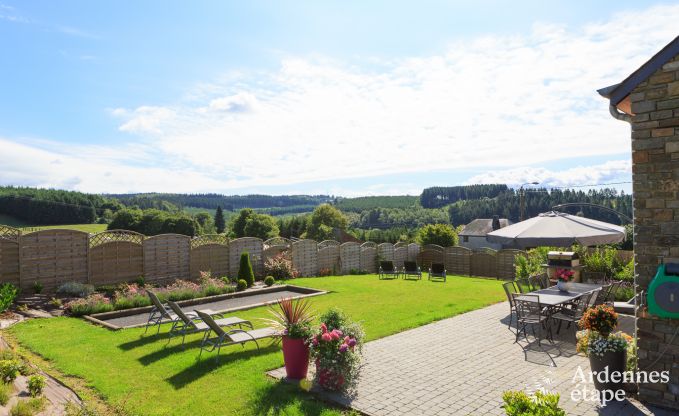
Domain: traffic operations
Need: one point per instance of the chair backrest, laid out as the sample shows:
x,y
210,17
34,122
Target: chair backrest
x,y
387,265
603,293
410,266
613,290
544,281
593,297
157,303
438,268
180,313
534,282
581,304
527,305
510,288
523,285
212,324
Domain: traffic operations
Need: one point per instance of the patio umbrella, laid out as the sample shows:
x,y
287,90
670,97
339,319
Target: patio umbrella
x,y
557,229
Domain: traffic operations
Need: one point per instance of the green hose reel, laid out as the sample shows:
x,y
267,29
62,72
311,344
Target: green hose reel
x,y
663,292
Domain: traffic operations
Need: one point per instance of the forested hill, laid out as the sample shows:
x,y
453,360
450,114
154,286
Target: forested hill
x,y
227,202
49,206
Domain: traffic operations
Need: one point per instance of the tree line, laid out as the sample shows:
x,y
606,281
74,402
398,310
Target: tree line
x,y
439,196
229,202
49,206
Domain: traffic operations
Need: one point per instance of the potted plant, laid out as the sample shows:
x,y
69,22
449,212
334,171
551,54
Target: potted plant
x,y
293,319
563,278
336,349
605,350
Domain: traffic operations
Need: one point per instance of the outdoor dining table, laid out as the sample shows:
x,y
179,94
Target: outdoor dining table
x,y
555,297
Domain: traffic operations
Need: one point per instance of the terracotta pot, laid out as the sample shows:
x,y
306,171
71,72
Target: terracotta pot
x,y
296,357
329,379
616,362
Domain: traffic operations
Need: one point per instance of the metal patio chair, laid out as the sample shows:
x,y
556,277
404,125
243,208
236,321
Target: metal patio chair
x,y
573,314
223,338
410,268
510,289
437,271
387,269
187,325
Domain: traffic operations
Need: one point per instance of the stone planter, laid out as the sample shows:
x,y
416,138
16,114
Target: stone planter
x,y
296,357
616,362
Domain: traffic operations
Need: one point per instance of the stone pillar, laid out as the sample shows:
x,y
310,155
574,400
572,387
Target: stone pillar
x,y
655,157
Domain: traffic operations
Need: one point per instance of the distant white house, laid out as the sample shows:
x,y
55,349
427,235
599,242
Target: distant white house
x,y
473,235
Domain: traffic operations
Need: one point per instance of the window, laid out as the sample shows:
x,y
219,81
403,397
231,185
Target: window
x,y
465,238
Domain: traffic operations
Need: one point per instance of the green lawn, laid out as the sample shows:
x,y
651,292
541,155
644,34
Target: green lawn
x,y
27,227
145,377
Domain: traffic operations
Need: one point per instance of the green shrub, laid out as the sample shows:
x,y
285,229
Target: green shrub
x,y
8,293
37,288
269,280
440,234
518,403
531,263
242,285
75,289
140,281
9,370
55,302
28,407
6,391
36,384
626,273
245,270
226,279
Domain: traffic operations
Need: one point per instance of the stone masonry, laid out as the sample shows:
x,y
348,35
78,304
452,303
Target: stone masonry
x,y
655,156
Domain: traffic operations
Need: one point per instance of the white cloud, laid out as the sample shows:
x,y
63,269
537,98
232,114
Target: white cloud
x,y
501,101
610,172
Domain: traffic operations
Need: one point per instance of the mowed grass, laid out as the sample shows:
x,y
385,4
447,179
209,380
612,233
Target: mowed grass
x,y
145,376
28,228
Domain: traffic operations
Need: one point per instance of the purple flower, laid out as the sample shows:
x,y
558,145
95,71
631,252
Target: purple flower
x,y
343,348
352,342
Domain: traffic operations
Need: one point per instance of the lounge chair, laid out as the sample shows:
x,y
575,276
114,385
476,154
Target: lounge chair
x,y
387,268
162,313
184,324
437,271
222,338
410,268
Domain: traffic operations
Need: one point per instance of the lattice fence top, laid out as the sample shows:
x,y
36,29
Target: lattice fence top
x,y
167,237
328,243
369,244
400,244
115,236
9,233
434,247
486,250
350,244
54,232
277,241
202,240
458,250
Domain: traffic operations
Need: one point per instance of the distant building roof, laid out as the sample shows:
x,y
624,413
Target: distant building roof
x,y
482,226
618,92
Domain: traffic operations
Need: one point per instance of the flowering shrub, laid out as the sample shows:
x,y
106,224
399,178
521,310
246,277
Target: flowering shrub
x,y
280,268
598,345
564,275
132,295
336,348
518,403
601,319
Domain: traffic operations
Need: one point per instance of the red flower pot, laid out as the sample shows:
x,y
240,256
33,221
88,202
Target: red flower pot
x,y
296,357
329,379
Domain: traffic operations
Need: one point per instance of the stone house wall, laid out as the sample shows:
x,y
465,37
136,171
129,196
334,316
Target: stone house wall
x,y
655,157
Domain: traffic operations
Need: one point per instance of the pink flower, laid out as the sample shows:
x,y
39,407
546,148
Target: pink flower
x,y
324,328
343,348
326,337
335,334
315,341
352,342
346,339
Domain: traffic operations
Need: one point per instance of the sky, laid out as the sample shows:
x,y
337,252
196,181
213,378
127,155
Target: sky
x,y
305,97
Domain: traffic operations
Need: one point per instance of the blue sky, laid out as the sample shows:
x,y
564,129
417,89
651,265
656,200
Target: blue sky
x,y
317,97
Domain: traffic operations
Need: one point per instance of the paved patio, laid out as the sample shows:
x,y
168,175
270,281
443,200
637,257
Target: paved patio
x,y
461,366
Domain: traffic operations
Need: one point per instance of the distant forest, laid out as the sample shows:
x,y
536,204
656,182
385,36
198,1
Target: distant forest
x,y
385,216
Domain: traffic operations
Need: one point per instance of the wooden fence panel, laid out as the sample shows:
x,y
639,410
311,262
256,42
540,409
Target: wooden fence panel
x,y
457,260
210,252
506,265
368,259
115,256
305,257
385,252
9,255
329,255
254,246
53,257
400,255
166,257
483,263
413,251
430,254
350,257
